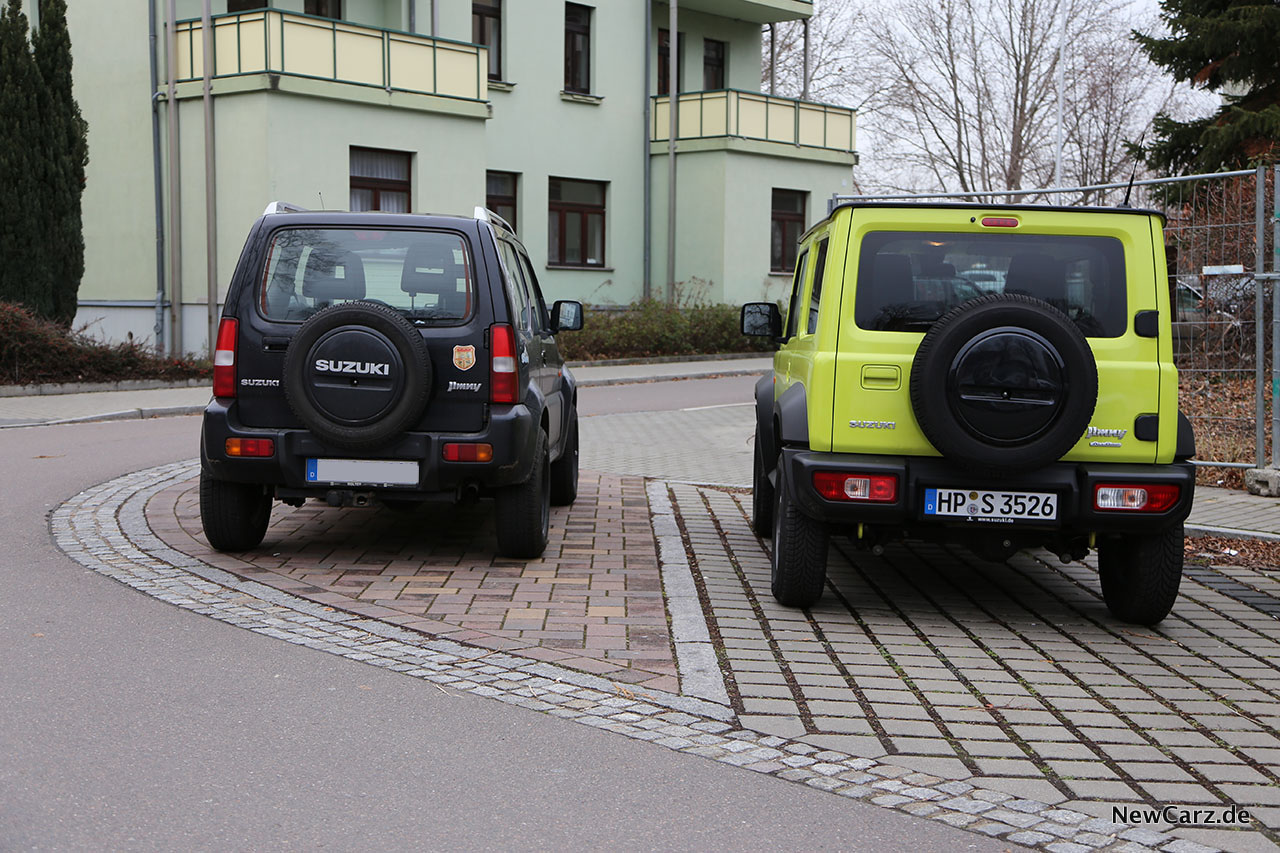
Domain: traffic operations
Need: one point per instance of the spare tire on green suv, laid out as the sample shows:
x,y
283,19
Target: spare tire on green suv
x,y
388,358
1041,412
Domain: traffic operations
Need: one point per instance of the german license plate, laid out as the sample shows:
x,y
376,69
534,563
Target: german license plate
x,y
363,472
991,505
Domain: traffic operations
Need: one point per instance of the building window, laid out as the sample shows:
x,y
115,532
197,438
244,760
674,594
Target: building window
x,y
500,195
576,223
379,180
577,48
664,61
486,29
788,225
323,8
712,64
234,6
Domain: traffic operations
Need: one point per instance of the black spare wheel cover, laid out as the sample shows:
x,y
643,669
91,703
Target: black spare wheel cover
x,y
357,374
1004,383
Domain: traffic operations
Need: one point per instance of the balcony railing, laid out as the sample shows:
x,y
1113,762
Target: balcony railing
x,y
752,115
294,45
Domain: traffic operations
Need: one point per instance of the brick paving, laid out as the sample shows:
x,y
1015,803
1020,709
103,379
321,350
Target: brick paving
x,y
593,602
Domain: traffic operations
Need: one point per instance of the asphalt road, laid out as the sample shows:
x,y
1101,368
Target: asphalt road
x,y
128,724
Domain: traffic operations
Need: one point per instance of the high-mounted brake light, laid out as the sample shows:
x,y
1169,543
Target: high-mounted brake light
x,y
839,486
502,364
1108,497
999,222
224,359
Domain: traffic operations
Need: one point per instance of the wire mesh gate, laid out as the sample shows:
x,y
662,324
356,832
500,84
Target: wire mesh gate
x,y
1217,245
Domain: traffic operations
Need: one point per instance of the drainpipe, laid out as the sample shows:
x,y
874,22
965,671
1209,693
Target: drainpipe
x,y
157,175
413,16
673,119
804,94
210,181
773,58
175,188
648,166
435,18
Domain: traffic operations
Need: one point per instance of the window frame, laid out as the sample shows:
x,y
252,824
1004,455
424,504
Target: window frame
x,y
559,209
664,62
380,185
577,74
815,291
480,14
781,218
309,8
797,288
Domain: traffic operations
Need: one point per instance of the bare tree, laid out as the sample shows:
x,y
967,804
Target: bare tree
x,y
961,95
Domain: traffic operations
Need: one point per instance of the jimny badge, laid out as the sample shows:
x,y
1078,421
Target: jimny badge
x,y
464,357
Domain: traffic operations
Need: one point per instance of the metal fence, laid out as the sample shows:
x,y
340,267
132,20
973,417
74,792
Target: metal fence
x,y
1226,318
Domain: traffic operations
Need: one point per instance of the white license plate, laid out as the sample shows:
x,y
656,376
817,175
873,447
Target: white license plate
x,y
363,472
991,505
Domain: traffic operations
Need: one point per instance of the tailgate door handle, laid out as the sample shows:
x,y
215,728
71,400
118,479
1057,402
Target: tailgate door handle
x,y
274,344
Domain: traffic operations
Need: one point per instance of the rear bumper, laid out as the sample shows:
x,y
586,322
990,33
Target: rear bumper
x,y
511,430
1073,484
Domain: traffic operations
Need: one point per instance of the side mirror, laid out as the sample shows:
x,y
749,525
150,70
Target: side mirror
x,y
566,316
761,319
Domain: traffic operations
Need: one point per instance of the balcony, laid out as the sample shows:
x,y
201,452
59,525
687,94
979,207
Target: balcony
x,y
735,114
269,42
755,11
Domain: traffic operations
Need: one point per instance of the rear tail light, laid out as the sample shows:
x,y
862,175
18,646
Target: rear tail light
x,y
1110,497
251,447
502,365
872,488
224,359
468,452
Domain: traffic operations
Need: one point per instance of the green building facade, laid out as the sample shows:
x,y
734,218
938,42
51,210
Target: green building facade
x,y
539,109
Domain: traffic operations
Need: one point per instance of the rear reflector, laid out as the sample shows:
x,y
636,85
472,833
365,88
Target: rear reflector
x,y
1110,497
503,377
468,452
251,447
875,488
224,360
999,222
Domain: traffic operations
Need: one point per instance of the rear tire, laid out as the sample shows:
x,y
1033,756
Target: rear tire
x,y
762,496
564,471
1140,575
234,515
523,512
799,562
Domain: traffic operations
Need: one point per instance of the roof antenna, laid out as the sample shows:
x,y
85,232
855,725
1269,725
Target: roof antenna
x,y
322,207
1133,174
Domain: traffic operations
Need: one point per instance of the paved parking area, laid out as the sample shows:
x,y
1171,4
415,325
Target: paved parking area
x,y
1008,676
1000,697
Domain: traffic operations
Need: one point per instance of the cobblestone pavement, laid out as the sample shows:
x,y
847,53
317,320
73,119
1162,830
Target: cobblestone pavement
x,y
995,697
1011,677
106,528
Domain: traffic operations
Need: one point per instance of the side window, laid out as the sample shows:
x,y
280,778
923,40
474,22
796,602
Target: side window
x,y
522,316
542,318
820,266
796,286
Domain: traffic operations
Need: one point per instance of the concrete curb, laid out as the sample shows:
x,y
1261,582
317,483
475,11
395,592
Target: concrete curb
x,y
55,389
124,415
1196,531
737,371
668,359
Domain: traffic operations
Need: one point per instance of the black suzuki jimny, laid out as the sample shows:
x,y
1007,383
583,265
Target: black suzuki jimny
x,y
368,358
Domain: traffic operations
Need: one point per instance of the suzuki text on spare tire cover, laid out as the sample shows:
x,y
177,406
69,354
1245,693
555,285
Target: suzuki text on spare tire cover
x,y
380,358
1040,410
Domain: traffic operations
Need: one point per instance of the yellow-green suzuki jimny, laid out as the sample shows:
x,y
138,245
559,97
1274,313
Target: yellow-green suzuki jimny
x,y
997,377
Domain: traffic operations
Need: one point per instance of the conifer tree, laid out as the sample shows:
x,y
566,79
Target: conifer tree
x,y
23,246
64,158
1229,47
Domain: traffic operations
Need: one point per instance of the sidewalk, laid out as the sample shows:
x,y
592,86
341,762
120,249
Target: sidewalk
x,y
1217,512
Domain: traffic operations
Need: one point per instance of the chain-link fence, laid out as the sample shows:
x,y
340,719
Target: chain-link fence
x,y
1221,257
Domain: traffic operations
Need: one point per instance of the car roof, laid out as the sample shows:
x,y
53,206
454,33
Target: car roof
x,y
343,218
994,208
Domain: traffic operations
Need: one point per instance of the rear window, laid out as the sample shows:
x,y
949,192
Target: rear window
x,y
907,280
427,275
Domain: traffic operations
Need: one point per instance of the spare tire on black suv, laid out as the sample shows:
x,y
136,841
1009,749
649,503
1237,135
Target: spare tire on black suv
x,y
388,358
